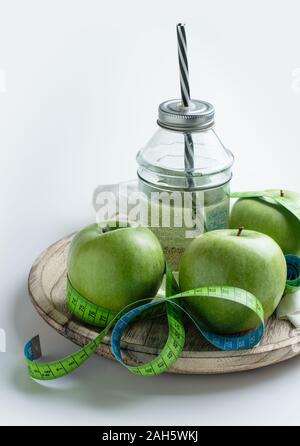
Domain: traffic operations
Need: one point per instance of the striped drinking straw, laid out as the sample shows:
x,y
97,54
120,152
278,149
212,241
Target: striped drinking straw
x,y
186,101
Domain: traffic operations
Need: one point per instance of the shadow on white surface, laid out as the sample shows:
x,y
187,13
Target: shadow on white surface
x,y
102,383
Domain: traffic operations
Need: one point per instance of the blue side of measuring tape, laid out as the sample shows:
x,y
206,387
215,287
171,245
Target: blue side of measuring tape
x,y
32,349
28,351
225,343
293,271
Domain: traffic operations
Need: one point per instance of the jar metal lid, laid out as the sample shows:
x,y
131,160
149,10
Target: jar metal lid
x,y
200,115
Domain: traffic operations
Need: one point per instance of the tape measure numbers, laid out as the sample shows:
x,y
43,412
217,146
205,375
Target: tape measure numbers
x,y
176,338
171,305
87,311
101,317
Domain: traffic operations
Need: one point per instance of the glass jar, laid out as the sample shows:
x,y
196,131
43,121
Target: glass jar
x,y
185,162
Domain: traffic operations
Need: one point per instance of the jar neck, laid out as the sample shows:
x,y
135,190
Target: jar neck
x,y
180,161
168,182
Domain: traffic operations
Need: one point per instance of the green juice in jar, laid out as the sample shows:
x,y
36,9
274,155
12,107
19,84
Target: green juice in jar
x,y
174,239
162,168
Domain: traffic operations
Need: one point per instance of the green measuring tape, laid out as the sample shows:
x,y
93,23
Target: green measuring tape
x,y
98,316
293,262
276,195
101,317
171,305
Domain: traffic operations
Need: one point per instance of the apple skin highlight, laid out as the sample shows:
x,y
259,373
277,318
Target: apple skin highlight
x,y
250,260
115,268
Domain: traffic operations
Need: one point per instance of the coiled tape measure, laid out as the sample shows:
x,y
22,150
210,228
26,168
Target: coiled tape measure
x,y
172,305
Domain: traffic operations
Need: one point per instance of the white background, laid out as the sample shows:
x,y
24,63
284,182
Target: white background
x,y
80,82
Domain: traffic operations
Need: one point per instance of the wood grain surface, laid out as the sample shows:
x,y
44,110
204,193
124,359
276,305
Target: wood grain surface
x,y
144,339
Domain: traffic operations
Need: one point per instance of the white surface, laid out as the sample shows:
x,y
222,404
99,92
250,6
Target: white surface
x,y
68,71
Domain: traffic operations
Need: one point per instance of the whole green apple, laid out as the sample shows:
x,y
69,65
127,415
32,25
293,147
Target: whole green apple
x,y
115,266
238,258
267,216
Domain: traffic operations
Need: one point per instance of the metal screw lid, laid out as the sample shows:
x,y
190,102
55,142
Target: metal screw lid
x,y
195,118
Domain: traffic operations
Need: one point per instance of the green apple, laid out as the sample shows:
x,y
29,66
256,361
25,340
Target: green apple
x,y
267,216
115,266
239,258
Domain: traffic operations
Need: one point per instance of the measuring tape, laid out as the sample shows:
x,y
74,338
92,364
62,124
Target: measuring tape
x,y
293,274
171,305
293,262
175,343
276,195
98,316
289,306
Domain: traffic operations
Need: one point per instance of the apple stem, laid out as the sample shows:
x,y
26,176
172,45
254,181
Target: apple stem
x,y
281,193
240,231
105,229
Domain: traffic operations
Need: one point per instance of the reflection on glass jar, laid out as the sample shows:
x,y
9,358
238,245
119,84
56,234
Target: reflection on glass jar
x,y
165,172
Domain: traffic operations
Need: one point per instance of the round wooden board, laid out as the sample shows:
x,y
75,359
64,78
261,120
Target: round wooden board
x,y
144,339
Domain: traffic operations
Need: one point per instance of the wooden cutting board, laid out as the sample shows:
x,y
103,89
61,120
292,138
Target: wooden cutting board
x,y
144,339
